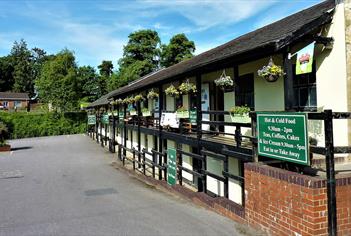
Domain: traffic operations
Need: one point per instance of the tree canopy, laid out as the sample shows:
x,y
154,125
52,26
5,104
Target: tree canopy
x,y
180,48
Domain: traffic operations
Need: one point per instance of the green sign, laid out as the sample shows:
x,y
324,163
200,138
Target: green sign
x,y
104,119
171,166
91,119
193,116
283,136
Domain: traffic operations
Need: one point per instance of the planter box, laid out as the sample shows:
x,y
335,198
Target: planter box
x,y
182,114
240,118
133,113
5,148
146,113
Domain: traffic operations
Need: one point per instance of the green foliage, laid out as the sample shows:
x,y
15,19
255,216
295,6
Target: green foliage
x,y
172,91
138,98
143,45
6,73
24,125
152,94
58,83
88,82
180,48
4,134
239,110
186,88
106,68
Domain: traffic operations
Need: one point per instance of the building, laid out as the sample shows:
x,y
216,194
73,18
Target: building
x,y
220,156
11,101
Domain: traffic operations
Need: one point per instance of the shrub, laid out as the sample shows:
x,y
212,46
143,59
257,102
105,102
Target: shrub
x,y
25,125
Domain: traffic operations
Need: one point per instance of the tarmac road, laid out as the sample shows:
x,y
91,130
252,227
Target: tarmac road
x,y
64,185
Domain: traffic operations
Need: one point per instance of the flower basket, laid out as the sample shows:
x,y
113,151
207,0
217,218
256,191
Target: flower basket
x,y
243,118
224,82
187,88
240,114
5,148
133,112
138,98
271,72
182,114
152,94
172,91
145,112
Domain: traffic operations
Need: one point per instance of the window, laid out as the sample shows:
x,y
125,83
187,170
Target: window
x,y
305,91
244,91
18,104
5,104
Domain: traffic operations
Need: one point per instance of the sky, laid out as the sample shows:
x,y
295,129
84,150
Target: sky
x,y
97,30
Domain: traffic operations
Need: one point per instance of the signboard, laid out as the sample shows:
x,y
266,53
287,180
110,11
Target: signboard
x,y
91,119
169,119
304,59
104,119
283,136
171,166
193,116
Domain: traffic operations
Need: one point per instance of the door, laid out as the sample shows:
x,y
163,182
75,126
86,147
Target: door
x,y
205,104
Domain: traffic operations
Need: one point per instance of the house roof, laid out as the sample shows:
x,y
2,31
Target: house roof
x,y
100,102
275,36
14,96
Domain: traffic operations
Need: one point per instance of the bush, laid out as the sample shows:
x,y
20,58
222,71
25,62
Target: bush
x,y
25,125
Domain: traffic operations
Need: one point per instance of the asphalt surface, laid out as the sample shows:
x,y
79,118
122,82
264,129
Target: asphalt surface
x,y
65,185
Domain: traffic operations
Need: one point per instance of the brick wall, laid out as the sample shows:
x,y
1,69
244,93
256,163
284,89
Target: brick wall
x,y
286,203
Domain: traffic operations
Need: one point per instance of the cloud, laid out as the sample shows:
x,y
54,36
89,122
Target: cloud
x,y
203,14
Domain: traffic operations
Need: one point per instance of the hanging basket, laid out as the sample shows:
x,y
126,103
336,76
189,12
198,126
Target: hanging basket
x,y
271,72
271,78
224,82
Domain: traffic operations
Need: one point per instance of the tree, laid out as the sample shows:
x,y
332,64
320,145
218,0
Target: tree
x,y
23,68
106,68
143,46
180,48
88,81
6,71
58,83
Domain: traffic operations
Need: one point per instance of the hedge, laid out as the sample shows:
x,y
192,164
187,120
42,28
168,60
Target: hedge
x,y
25,125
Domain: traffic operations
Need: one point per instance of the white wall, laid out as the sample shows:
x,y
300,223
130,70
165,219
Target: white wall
x,y
187,163
234,188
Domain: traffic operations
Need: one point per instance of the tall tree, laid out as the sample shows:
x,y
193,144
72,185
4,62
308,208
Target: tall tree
x,y
106,68
88,84
143,46
6,71
23,68
180,48
58,83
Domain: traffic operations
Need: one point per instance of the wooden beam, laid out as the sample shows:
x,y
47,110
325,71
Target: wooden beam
x,y
289,96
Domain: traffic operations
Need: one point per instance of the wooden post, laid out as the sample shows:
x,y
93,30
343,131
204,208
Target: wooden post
x,y
124,129
254,135
160,143
225,166
139,135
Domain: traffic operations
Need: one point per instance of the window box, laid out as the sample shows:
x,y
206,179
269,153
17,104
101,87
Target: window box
x,y
182,114
240,118
132,112
146,113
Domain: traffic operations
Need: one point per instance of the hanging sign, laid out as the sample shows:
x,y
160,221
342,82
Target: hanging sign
x,y
169,119
283,136
171,166
304,59
104,119
193,116
91,119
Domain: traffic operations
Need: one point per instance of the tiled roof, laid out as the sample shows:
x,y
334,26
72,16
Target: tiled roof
x,y
276,35
14,96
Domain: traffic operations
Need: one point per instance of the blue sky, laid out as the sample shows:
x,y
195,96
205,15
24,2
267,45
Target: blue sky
x,y
97,30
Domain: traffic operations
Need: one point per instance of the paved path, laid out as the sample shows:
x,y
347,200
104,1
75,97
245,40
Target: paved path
x,y
64,185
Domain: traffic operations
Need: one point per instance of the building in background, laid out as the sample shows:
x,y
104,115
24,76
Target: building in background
x,y
14,101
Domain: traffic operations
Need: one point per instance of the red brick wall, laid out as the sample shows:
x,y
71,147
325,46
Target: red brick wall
x,y
286,203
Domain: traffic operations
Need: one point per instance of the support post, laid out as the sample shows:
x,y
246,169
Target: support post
x,y
330,168
289,96
225,167
139,135
124,129
160,143
253,116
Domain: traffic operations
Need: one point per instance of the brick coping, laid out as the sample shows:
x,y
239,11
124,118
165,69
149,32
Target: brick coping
x,y
293,177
